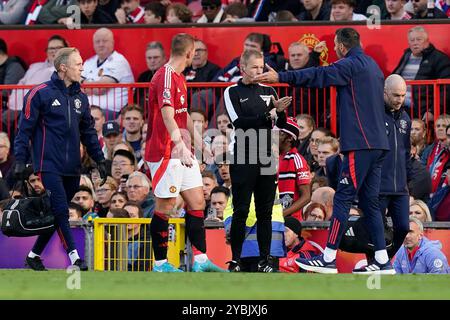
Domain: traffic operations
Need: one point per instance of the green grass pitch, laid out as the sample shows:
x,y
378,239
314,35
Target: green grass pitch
x,y
26,284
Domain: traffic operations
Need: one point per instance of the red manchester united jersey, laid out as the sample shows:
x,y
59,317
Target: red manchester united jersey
x,y
293,171
167,89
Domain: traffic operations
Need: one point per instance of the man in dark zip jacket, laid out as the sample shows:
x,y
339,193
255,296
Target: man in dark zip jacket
x,y
394,195
252,108
54,118
423,61
359,84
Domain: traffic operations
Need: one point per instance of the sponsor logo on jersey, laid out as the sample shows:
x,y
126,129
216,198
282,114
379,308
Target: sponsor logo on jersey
x,y
181,110
303,175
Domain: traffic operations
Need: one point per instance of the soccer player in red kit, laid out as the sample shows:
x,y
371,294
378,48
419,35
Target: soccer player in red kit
x,y
173,166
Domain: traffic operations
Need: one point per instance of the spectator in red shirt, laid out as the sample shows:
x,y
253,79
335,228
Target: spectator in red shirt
x,y
294,178
130,11
297,246
436,155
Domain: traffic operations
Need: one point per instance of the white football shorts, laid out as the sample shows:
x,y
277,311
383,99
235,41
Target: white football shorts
x,y
170,177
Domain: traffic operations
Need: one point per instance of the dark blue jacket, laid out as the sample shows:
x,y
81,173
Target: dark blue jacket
x,y
359,83
55,117
397,165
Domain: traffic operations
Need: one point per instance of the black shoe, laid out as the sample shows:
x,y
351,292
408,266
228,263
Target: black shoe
x,y
35,263
81,264
234,266
266,265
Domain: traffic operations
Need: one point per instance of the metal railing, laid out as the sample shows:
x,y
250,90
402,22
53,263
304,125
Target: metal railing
x,y
426,95
124,244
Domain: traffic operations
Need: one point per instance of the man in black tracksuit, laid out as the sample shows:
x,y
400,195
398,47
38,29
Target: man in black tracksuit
x,y
394,195
252,107
55,118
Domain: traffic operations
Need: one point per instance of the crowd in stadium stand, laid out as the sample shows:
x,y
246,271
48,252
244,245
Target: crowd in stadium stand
x,y
31,12
122,130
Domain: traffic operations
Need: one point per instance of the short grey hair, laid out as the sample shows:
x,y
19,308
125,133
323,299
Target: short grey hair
x,y
63,55
155,45
299,44
418,29
5,138
418,222
144,180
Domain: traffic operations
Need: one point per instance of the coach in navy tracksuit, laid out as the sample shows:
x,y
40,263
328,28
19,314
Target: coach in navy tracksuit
x,y
359,83
55,117
394,194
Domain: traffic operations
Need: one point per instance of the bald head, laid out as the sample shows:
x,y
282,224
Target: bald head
x,y
394,80
103,32
324,196
394,91
103,43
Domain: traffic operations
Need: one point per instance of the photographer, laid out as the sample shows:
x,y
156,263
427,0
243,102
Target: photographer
x,y
123,164
55,118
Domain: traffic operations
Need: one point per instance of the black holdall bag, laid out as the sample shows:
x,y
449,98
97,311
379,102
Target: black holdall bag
x,y
356,238
28,216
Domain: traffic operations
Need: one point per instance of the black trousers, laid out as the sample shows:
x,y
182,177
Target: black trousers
x,y
398,209
248,180
62,189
